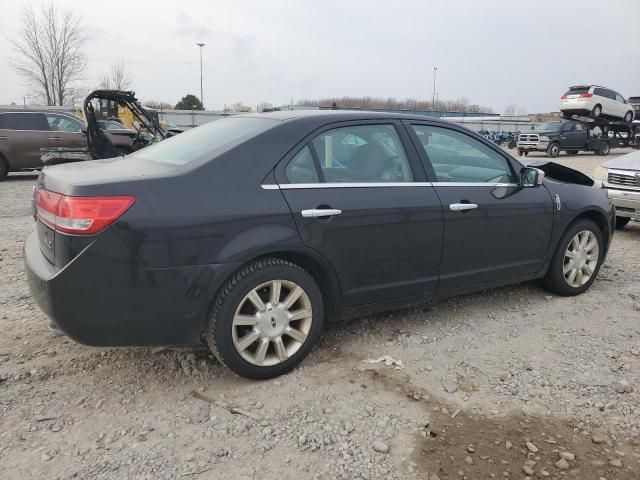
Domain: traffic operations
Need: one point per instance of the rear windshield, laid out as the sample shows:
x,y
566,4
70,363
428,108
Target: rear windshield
x,y
204,142
577,90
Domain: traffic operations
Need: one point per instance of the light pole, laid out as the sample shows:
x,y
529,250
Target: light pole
x,y
433,99
201,95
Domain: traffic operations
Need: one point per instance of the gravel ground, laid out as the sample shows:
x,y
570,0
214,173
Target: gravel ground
x,y
507,383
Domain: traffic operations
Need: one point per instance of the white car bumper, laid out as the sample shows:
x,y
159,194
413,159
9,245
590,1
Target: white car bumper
x,y
576,104
627,202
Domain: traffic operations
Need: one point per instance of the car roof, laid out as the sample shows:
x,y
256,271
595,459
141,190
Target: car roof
x,y
57,112
339,115
589,86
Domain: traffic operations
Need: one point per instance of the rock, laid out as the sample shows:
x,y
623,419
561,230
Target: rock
x,y
380,447
636,306
623,387
527,470
470,449
544,473
508,445
567,456
449,385
616,462
532,447
45,457
562,464
597,439
468,460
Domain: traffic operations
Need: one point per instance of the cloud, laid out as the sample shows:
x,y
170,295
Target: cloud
x,y
188,26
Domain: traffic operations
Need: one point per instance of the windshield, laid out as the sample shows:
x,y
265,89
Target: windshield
x,y
204,141
548,127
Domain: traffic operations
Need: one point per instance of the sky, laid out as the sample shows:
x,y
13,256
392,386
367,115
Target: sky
x,y
494,53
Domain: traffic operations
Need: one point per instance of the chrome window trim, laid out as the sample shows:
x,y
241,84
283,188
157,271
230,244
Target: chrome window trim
x,y
296,186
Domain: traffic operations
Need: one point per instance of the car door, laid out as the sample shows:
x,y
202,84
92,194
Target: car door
x,y
65,131
493,228
371,213
621,106
25,133
570,136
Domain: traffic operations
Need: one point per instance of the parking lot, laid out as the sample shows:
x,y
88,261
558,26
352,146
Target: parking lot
x,y
507,383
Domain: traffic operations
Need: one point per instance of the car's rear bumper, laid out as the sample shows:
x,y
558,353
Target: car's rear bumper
x,y
627,202
576,105
105,296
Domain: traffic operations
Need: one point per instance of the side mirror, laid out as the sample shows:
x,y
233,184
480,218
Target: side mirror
x,y
531,177
83,130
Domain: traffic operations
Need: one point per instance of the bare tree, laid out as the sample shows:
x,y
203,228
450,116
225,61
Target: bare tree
x,y
459,105
510,109
118,78
158,105
50,52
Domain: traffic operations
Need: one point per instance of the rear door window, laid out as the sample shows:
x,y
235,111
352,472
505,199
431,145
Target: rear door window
x,y
302,168
24,121
362,154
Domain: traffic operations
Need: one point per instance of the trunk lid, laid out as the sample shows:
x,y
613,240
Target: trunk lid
x,y
98,178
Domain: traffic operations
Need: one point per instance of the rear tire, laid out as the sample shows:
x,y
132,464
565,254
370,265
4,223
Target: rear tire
x,y
553,150
621,222
253,330
4,168
597,111
604,149
628,117
558,278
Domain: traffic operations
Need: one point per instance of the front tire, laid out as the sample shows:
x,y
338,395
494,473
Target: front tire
x,y
577,259
553,150
628,117
605,149
621,222
265,319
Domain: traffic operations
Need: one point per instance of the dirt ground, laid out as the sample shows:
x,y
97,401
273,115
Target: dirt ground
x,y
508,383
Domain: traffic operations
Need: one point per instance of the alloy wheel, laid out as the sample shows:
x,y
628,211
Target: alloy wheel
x,y
272,322
581,258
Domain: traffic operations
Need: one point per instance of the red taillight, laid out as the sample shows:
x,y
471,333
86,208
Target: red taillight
x,y
80,215
586,95
563,97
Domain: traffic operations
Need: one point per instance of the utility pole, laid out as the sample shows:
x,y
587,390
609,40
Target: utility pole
x,y
433,99
201,94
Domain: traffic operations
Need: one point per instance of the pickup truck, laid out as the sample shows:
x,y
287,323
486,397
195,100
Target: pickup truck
x,y
571,136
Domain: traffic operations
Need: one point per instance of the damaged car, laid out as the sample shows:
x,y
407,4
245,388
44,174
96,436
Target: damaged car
x,y
250,232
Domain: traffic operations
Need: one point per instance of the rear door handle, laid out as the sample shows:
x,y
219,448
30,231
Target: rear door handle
x,y
320,212
56,138
2,137
461,207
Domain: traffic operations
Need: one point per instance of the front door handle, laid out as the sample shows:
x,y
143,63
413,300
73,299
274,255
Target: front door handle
x,y
56,138
462,207
320,212
2,137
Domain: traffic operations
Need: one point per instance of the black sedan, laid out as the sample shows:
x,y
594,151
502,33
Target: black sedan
x,y
249,232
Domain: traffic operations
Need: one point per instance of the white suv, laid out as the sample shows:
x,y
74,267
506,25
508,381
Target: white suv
x,y
596,102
